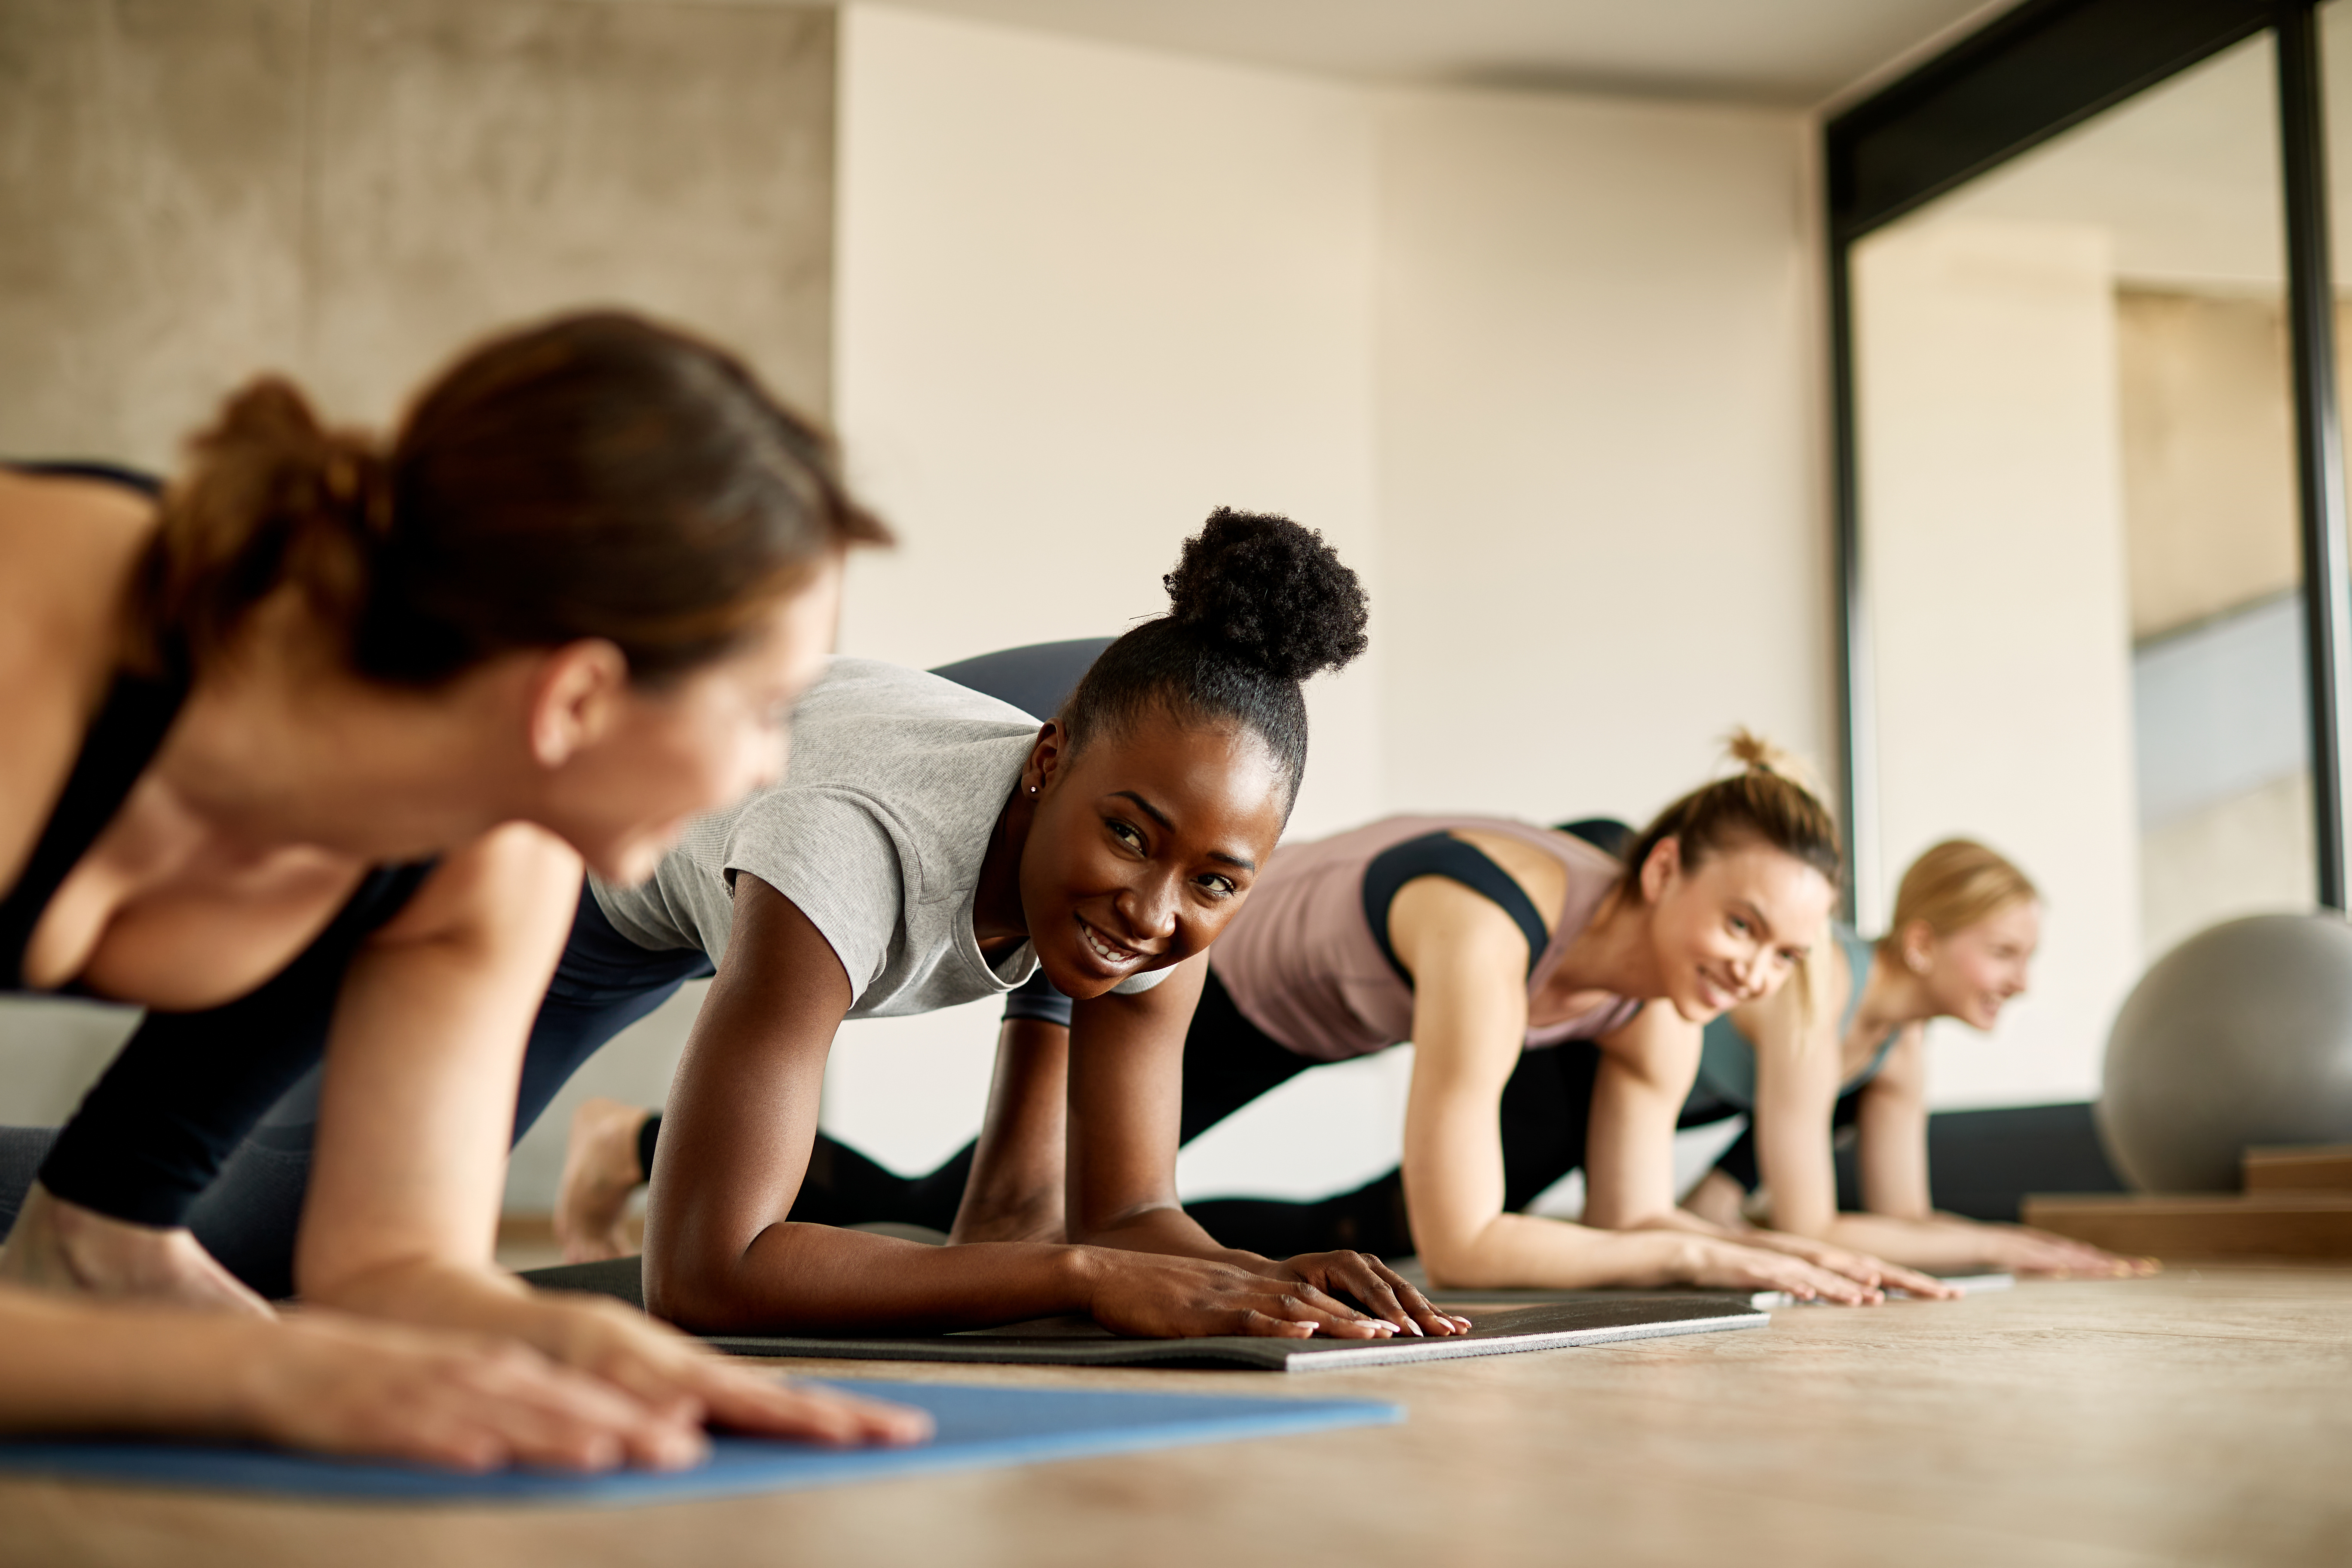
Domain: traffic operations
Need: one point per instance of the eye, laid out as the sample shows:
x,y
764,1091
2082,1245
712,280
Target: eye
x,y
1126,832
1217,887
1740,924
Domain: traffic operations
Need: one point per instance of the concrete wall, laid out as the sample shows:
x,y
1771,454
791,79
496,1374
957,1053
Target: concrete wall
x,y
192,191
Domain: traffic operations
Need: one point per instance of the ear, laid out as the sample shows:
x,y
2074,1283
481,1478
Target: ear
x,y
576,700
1045,761
1918,945
1663,864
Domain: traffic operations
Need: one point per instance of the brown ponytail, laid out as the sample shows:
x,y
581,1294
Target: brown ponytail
x,y
1761,803
596,476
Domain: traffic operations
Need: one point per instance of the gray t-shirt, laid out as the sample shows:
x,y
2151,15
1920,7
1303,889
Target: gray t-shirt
x,y
877,834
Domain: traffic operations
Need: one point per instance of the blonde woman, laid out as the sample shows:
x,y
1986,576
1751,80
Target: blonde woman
x,y
1850,1047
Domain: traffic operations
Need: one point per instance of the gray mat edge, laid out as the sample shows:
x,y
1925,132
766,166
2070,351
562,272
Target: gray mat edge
x,y
1270,1355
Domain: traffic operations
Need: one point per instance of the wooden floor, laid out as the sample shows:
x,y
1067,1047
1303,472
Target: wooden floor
x,y
2204,1416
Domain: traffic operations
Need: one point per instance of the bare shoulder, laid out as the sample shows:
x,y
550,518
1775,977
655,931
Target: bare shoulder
x,y
1540,876
67,551
1437,924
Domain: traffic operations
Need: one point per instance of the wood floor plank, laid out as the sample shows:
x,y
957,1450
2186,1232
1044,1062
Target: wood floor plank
x,y
2201,1416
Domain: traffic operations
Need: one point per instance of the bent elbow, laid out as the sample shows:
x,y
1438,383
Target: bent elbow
x,y
693,1287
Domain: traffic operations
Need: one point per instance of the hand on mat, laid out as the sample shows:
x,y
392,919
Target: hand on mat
x,y
1162,1296
1721,1263
1858,1266
673,1374
2024,1250
62,1247
1381,1290
343,1385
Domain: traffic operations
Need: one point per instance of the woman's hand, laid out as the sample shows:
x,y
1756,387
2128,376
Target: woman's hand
x,y
1157,1295
345,1385
1858,1266
680,1380
2024,1250
1383,1292
1730,1265
65,1248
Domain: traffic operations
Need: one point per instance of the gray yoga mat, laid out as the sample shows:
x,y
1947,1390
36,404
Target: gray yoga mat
x,y
1966,1284
1589,1318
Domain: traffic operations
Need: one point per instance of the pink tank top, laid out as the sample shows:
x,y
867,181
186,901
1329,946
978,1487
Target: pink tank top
x,y
1301,963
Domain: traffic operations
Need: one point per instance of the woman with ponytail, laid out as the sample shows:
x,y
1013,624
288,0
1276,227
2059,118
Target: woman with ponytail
x,y
931,846
1514,955
304,755
1853,1053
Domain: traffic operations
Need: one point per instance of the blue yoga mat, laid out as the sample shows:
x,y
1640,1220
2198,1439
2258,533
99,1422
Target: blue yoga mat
x,y
978,1428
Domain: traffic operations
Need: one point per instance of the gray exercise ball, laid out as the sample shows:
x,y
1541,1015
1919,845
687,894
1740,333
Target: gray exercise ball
x,y
2241,1035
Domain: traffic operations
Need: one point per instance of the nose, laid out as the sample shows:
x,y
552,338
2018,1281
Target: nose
x,y
1745,977
1149,907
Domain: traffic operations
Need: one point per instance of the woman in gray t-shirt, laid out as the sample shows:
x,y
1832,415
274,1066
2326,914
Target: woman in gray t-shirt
x,y
930,845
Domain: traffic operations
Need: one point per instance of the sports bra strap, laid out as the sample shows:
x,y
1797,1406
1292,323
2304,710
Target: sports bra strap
x,y
1443,855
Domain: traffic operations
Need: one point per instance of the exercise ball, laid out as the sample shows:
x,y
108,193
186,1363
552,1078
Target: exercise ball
x,y
2241,1035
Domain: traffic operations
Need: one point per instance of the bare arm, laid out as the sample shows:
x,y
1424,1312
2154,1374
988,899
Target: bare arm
x,y
316,1379
1902,1222
723,1253
1014,1193
1469,965
1127,1101
415,1111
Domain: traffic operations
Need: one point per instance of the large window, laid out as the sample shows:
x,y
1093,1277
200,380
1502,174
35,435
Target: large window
x,y
2091,502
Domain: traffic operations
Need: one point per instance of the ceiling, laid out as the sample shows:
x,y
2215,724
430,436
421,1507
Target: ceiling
x,y
1797,52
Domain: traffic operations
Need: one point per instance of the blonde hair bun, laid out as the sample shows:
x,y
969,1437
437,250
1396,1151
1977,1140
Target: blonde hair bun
x,y
1755,754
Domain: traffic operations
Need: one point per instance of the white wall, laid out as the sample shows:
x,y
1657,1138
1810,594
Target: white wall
x,y
1602,521
1992,486
1085,295
1542,368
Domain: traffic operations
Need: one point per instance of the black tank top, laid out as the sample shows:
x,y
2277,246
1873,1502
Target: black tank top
x,y
188,1085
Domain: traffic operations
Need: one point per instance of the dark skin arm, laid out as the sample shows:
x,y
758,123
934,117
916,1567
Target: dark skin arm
x,y
722,1254
1127,1101
1014,1193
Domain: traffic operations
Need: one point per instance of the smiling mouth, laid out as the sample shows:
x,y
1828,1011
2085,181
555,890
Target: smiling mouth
x,y
1112,955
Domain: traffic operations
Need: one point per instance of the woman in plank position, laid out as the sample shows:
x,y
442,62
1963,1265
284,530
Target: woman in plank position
x,y
1854,1054
1506,953
306,752
930,847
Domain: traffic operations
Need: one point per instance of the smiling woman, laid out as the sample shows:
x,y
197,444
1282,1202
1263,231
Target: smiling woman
x,y
1523,956
931,846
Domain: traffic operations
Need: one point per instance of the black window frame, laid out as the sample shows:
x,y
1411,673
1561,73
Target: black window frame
x,y
2032,73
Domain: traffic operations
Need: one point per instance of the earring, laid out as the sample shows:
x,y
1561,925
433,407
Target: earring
x,y
1032,789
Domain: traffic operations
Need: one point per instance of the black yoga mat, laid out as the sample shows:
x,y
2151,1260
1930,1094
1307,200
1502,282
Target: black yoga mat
x,y
1595,1318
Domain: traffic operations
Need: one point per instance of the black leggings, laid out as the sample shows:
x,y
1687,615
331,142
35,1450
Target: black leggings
x,y
1982,1163
247,1215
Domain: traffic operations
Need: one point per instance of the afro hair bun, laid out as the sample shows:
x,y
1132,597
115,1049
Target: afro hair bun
x,y
1269,592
